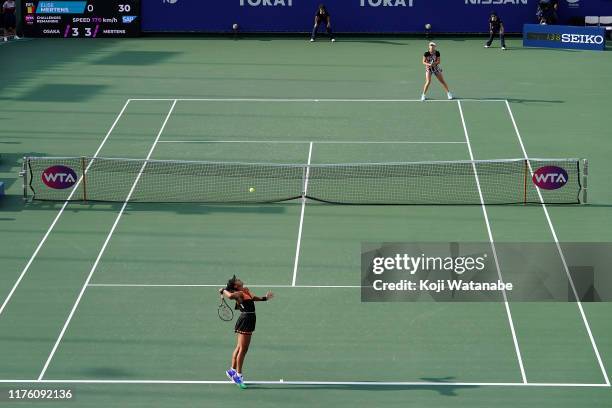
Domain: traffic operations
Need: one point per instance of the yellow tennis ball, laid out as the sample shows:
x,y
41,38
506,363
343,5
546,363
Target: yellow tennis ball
x,y
252,190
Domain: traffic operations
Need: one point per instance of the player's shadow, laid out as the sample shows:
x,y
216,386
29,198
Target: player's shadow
x,y
540,49
373,41
587,205
210,208
107,373
511,100
440,386
524,100
15,203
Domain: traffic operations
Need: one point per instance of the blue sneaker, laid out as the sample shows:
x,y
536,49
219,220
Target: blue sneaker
x,y
238,381
230,374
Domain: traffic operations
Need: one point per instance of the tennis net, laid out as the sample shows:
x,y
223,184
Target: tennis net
x,y
559,181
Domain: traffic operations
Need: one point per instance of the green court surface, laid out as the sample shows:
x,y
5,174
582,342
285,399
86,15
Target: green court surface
x,y
117,302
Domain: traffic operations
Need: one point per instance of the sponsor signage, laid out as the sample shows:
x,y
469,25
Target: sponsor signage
x,y
570,37
348,16
550,177
354,16
59,177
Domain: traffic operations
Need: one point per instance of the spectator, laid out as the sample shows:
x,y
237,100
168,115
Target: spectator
x,y
10,22
322,17
2,20
547,11
496,26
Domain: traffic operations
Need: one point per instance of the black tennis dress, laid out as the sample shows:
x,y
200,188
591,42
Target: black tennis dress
x,y
247,319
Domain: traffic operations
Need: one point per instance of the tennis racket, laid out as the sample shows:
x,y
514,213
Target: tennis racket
x,y
225,312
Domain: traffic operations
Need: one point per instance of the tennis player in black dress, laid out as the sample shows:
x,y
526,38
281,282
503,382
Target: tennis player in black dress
x,y
431,60
245,325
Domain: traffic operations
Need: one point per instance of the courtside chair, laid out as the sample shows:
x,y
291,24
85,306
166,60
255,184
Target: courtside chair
x,y
606,21
591,21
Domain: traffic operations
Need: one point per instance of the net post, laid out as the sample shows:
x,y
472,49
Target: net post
x,y
585,173
84,178
24,178
525,172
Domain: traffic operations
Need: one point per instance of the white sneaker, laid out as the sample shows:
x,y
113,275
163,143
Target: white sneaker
x,y
17,37
487,46
423,97
449,95
5,39
333,40
312,40
503,48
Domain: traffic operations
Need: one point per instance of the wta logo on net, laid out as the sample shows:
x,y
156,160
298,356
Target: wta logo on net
x,y
59,177
550,177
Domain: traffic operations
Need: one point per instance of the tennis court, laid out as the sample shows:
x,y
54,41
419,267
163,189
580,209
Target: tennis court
x,y
119,298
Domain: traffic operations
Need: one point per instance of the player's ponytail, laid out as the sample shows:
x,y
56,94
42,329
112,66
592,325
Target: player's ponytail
x,y
231,284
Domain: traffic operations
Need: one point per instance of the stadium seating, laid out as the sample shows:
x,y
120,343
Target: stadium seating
x,y
606,21
591,21
600,21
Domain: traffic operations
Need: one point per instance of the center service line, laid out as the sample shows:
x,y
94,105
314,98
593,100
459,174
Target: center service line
x,y
491,240
299,239
108,238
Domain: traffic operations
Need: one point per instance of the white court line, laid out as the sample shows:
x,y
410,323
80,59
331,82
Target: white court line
x,y
108,237
554,235
491,240
59,214
299,238
361,100
314,141
320,383
13,41
220,285
2,42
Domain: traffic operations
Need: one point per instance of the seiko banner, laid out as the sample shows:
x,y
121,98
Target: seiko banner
x,y
576,38
354,16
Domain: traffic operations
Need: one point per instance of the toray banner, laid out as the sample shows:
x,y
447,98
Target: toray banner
x,y
353,16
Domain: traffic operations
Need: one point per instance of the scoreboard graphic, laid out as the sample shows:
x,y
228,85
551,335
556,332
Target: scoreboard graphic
x,y
81,19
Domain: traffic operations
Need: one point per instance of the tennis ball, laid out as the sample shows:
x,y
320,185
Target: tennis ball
x,y
252,190
234,26
428,26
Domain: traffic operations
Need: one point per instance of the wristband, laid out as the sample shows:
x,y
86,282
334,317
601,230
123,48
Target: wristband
x,y
264,299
